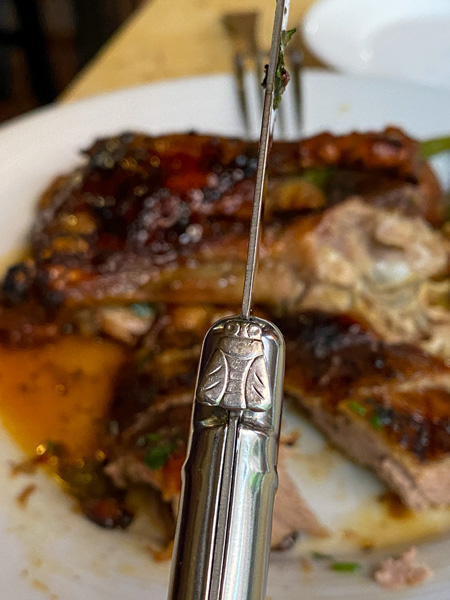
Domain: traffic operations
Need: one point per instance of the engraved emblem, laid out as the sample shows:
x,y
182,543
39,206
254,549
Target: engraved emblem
x,y
236,376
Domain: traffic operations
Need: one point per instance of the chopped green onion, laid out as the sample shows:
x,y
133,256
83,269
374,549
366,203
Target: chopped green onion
x,y
357,407
318,177
346,567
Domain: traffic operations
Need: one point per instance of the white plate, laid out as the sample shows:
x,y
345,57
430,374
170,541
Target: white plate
x,y
403,39
47,551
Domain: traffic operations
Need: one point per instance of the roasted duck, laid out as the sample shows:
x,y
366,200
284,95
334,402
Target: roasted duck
x,y
144,244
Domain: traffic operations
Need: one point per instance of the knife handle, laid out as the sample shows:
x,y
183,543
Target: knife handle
x,y
224,524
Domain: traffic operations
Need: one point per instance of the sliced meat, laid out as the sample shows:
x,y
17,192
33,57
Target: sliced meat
x,y
161,429
386,405
291,514
350,231
397,573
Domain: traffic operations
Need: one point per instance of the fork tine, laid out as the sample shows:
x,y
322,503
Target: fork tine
x,y
280,122
242,30
239,77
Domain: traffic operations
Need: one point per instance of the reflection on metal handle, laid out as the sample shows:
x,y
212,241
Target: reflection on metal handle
x,y
229,479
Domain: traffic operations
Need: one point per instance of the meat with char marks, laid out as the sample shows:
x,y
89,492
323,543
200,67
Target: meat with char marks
x,y
353,268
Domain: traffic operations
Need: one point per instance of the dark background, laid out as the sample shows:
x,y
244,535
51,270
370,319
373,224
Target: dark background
x,y
44,43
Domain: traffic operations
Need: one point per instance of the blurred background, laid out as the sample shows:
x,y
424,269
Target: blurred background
x,y
44,43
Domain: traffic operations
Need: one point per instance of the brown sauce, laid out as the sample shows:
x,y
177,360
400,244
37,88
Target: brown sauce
x,y
394,506
58,392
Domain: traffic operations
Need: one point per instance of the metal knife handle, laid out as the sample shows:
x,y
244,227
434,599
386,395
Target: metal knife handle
x,y
222,542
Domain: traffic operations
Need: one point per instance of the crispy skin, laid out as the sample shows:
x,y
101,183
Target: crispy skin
x,y
166,219
145,213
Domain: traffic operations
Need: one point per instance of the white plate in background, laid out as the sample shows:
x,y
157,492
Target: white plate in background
x,y
47,552
402,39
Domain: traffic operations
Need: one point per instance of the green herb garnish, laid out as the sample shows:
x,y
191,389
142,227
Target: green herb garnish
x,y
429,148
376,422
346,567
318,177
321,556
357,407
157,457
158,451
281,74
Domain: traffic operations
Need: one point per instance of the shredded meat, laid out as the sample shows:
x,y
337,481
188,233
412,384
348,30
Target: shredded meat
x,y
396,573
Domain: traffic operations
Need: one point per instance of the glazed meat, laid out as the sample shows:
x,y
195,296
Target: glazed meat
x,y
145,243
386,405
349,228
151,418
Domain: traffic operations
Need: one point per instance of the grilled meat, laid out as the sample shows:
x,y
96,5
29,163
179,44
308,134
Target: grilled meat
x,y
151,417
146,242
386,405
166,220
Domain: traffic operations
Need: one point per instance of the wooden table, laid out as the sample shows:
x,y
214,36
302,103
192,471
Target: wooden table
x,y
172,38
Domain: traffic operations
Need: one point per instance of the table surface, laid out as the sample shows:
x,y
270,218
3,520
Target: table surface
x,y
167,39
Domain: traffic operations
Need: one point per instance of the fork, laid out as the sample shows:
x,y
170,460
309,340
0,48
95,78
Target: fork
x,y
248,61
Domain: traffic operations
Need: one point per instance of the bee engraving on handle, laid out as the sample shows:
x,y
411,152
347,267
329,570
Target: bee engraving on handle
x,y
235,376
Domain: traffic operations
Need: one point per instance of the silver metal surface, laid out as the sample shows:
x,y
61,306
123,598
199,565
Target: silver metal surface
x,y
248,60
224,524
235,375
280,23
229,479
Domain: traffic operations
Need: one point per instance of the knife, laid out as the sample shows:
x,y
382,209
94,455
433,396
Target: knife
x,y
222,542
